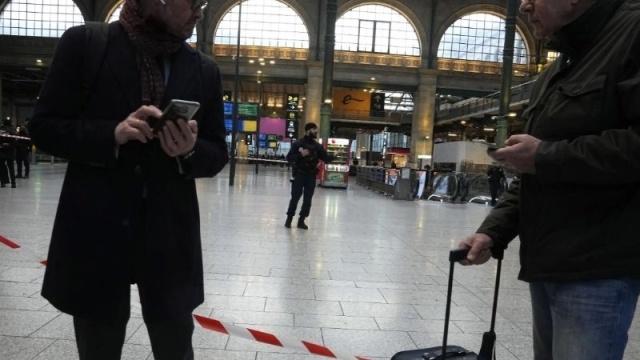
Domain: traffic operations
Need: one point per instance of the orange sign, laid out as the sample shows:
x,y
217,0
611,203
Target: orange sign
x,y
351,101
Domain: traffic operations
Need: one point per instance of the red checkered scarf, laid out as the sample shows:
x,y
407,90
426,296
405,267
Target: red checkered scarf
x,y
152,43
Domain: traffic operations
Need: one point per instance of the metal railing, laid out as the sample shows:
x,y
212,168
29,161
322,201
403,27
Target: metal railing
x,y
490,103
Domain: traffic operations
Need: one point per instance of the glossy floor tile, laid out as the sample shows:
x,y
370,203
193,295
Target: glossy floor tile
x,y
368,278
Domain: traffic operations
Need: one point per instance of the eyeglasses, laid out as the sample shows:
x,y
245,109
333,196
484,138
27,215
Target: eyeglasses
x,y
199,4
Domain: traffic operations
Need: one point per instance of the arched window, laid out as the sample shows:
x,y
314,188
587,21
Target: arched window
x,y
480,36
376,28
264,23
115,15
43,18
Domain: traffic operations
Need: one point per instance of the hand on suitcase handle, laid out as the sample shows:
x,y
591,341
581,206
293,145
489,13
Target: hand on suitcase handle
x,y
477,250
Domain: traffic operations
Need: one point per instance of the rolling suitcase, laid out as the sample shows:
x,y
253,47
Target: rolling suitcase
x,y
487,350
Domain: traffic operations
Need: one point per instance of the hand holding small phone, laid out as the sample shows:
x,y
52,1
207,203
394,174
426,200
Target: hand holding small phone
x,y
304,152
177,109
175,129
136,126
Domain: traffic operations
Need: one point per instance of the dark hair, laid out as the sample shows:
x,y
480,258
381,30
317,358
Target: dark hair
x,y
310,126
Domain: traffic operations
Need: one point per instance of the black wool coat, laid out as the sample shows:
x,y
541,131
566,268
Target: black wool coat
x,y
131,217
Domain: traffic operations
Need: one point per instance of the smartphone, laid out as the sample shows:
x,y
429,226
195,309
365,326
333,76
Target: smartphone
x,y
177,109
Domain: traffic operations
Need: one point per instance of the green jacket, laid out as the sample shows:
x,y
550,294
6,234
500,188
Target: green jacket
x,y
578,217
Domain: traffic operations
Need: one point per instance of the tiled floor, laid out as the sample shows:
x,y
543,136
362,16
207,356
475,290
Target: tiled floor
x,y
368,279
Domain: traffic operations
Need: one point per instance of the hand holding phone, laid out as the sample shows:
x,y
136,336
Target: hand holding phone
x,y
177,109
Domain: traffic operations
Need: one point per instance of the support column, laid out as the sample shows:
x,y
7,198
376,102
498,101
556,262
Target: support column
x,y
204,44
313,93
327,83
502,126
1,101
424,117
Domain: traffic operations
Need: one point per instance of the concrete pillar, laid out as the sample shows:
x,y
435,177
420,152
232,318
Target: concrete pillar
x,y
313,93
363,143
204,44
424,116
1,101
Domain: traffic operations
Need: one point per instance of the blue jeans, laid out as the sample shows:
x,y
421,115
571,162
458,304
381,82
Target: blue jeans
x,y
586,320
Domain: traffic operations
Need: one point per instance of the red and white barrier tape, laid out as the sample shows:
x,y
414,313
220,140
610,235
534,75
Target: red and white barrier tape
x,y
234,330
14,137
271,339
14,246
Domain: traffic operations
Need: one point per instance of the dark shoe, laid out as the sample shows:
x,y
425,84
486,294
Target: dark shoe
x,y
13,186
301,224
3,185
287,223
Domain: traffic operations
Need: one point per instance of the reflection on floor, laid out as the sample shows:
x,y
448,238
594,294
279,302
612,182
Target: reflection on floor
x,y
368,278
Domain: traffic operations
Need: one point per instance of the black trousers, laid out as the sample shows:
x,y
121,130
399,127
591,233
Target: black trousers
x,y
7,171
20,161
302,184
103,339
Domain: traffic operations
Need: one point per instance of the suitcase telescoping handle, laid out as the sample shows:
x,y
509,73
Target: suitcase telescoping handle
x,y
489,338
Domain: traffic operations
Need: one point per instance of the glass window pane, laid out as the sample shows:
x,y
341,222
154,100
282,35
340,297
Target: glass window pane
x,y
392,27
264,23
480,36
44,18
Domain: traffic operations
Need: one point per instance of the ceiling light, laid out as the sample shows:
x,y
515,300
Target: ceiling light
x,y
259,71
261,59
463,122
452,135
262,64
373,78
272,62
39,61
512,114
251,61
488,129
328,101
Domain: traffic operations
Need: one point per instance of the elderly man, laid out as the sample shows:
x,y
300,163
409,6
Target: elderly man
x,y
128,212
577,202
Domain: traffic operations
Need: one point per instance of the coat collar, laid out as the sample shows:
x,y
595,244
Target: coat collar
x,y
576,38
124,67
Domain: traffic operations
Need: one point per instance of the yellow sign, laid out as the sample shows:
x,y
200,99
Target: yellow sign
x,y
250,126
351,101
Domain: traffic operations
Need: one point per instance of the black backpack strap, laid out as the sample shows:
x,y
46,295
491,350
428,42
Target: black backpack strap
x,y
96,39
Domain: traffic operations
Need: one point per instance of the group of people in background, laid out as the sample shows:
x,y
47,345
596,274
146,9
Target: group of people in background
x,y
15,151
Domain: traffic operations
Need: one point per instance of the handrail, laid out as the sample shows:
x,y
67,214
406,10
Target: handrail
x,y
519,93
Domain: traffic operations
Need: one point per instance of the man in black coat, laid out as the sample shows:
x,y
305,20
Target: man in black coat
x,y
304,155
7,156
576,201
23,150
496,177
128,212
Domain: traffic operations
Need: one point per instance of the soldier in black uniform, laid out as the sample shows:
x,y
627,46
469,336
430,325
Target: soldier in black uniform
x,y
496,177
7,156
304,155
23,150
